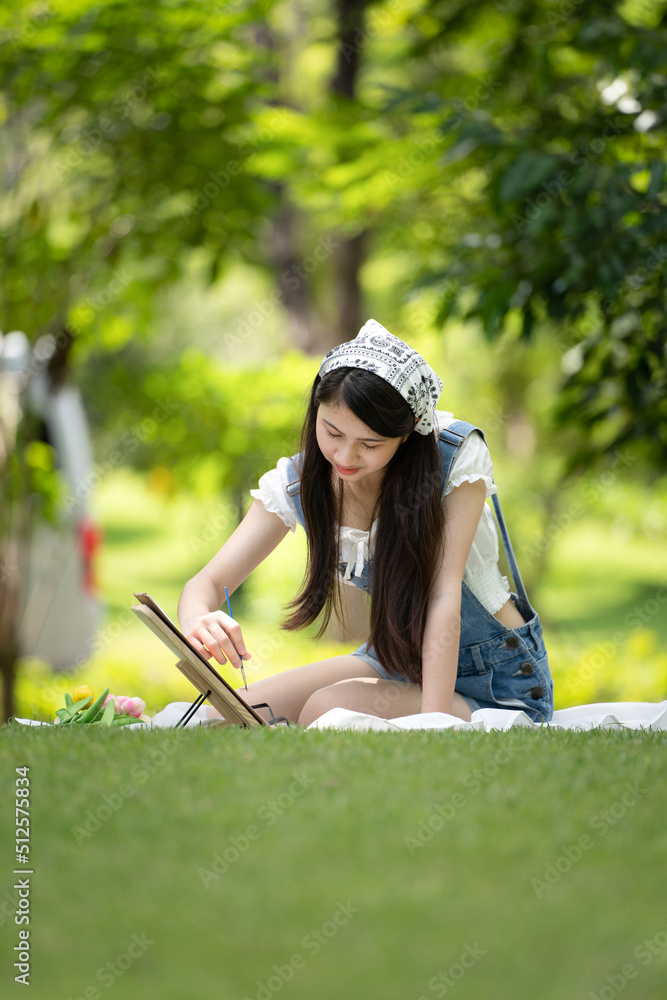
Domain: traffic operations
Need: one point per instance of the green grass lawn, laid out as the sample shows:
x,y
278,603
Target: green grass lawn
x,y
246,865
233,864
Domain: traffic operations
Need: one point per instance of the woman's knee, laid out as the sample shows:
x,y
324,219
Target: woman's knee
x,y
337,695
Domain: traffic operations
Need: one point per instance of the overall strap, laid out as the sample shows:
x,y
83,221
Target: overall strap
x,y
450,440
509,551
294,491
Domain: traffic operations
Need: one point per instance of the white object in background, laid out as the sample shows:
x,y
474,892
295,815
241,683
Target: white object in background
x,y
60,606
175,711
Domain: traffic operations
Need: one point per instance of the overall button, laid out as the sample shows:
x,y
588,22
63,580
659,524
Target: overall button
x,y
512,642
526,668
537,692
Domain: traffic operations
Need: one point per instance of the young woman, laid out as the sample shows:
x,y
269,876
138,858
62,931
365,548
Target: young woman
x,y
407,485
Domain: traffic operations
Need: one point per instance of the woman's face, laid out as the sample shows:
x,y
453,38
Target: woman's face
x,y
355,452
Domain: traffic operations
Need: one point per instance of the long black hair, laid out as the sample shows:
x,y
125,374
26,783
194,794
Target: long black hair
x,y
408,540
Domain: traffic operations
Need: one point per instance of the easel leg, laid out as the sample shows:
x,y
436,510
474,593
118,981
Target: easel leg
x,y
185,718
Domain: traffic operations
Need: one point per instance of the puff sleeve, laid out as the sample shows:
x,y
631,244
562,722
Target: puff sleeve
x,y
272,491
472,462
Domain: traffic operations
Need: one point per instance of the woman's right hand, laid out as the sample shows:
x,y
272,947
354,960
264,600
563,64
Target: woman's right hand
x,y
214,633
217,635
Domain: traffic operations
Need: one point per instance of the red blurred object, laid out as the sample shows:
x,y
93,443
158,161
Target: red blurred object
x,y
91,537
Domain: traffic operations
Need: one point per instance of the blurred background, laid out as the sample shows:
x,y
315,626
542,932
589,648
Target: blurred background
x,y
200,199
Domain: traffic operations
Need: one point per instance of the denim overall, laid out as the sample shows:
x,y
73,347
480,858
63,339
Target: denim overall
x,y
498,667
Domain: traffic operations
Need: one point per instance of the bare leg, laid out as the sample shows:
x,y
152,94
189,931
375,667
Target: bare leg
x,y
288,691
373,696
305,693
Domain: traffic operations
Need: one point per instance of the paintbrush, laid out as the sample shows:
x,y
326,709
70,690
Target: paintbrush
x,y
229,606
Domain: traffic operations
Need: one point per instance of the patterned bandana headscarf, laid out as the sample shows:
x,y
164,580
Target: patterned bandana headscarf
x,y
376,350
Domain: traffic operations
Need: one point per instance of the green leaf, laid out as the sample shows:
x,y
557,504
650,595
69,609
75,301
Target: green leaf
x,y
527,326
78,706
108,714
525,174
68,700
95,709
126,720
655,185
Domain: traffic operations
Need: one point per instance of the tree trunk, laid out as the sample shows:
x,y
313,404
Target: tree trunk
x,y
8,658
351,41
14,532
350,257
292,261
349,295
307,332
9,611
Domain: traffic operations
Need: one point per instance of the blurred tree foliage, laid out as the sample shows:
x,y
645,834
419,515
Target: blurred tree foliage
x,y
126,127
203,428
504,160
517,150
552,117
513,151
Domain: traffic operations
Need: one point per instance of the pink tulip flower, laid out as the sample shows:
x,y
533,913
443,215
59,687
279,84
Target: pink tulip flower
x,y
130,706
127,706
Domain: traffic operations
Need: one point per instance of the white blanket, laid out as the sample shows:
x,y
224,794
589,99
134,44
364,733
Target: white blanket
x,y
614,714
620,714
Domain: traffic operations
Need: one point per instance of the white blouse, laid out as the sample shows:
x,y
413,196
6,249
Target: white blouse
x,y
472,462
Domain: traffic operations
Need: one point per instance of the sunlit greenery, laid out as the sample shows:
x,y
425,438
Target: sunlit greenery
x,y
184,183
197,200
512,154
